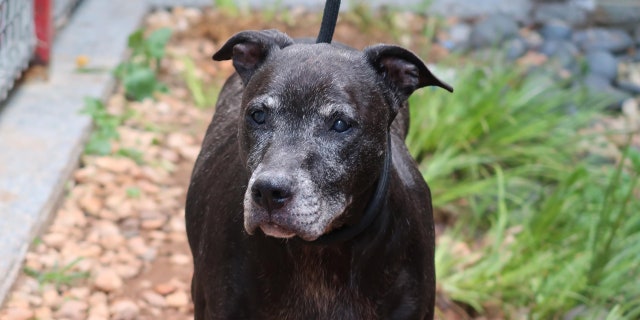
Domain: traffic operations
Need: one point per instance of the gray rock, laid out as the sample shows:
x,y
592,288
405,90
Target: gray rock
x,y
519,9
572,13
628,86
556,30
493,30
515,48
533,39
562,54
602,63
614,40
617,14
600,86
596,82
459,35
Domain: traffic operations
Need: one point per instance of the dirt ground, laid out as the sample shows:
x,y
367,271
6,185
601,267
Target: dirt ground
x,y
116,248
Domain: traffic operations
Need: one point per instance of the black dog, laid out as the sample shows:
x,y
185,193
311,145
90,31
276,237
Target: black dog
x,y
304,202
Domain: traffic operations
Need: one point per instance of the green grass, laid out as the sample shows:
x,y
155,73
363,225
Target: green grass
x,y
548,228
202,97
105,127
58,276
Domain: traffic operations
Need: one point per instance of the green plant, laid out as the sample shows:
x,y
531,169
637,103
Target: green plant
x,y
105,127
195,85
58,276
547,230
133,192
138,73
134,154
228,7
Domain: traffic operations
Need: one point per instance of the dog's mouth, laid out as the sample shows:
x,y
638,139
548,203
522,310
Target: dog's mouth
x,y
273,230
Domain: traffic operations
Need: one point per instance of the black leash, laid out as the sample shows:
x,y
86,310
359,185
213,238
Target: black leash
x,y
329,19
373,209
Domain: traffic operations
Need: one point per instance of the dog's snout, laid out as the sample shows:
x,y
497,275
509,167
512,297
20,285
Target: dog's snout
x,y
271,193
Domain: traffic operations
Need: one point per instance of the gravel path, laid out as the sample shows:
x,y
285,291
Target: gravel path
x,y
117,248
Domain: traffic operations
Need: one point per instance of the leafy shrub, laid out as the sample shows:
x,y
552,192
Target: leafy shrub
x,y
139,73
544,230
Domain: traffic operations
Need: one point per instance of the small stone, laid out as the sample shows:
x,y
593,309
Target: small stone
x,y
602,63
159,19
17,314
193,15
85,174
596,82
72,309
153,223
617,13
154,299
165,288
79,293
91,204
43,313
137,245
493,31
18,300
189,152
70,216
515,48
571,13
50,297
115,164
532,38
127,271
180,259
98,298
55,240
107,280
177,299
613,40
124,310
628,86
562,54
177,224
556,30
145,284
458,37
177,139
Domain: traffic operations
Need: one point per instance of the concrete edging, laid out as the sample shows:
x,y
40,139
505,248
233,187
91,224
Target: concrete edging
x,y
42,133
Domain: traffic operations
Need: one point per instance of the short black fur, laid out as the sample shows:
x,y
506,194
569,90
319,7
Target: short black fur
x,y
240,272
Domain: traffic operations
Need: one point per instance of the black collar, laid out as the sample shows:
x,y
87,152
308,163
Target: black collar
x,y
373,209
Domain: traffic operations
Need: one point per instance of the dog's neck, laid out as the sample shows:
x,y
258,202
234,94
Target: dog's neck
x,y
373,209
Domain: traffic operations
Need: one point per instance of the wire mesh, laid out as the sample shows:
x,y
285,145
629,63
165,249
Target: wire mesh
x,y
17,41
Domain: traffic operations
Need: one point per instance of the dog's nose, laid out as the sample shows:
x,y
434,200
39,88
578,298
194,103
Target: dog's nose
x,y
271,193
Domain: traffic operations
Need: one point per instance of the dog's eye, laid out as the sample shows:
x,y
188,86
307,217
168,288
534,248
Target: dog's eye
x,y
258,116
340,126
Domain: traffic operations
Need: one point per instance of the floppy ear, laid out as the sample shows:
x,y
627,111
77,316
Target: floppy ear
x,y
402,70
249,49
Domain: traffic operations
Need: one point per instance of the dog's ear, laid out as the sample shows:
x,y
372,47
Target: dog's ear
x,y
402,70
249,49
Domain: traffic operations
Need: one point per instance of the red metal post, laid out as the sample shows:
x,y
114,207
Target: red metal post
x,y
44,29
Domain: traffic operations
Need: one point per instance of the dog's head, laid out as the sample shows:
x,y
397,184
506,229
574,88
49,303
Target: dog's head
x,y
314,126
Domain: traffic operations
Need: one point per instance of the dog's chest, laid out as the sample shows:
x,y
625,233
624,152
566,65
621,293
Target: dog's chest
x,y
315,291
